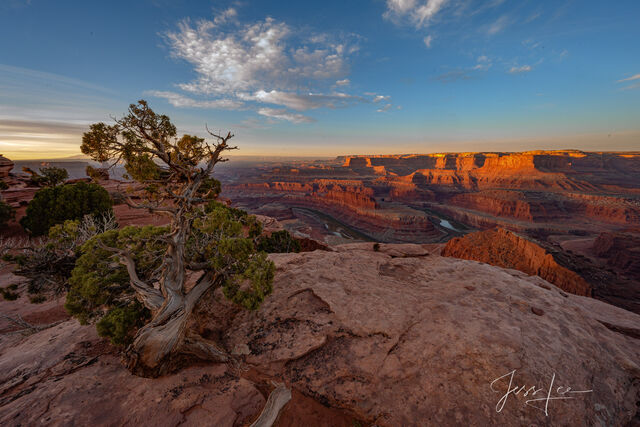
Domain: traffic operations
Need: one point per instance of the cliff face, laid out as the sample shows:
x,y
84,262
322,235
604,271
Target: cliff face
x,y
5,166
504,249
391,337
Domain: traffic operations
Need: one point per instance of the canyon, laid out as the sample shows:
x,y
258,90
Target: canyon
x,y
564,204
475,265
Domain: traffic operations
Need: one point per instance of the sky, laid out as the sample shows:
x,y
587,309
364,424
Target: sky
x,y
326,78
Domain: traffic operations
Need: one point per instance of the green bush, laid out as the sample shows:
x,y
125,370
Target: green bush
x,y
37,299
8,294
6,213
54,205
278,242
120,322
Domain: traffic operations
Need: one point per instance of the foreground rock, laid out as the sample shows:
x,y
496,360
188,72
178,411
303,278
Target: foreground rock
x,y
397,336
503,248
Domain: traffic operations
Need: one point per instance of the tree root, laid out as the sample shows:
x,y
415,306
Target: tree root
x,y
277,400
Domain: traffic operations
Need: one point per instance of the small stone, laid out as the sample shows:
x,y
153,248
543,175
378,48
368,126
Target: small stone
x,y
537,311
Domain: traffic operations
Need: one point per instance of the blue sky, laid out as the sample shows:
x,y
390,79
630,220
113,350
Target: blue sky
x,y
326,77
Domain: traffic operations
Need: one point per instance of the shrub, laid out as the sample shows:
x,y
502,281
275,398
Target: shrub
x,y
51,206
97,174
6,213
8,294
278,242
120,322
37,299
48,177
54,176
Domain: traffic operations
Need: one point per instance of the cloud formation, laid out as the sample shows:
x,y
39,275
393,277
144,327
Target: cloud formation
x,y
634,85
240,66
628,79
521,69
283,114
419,12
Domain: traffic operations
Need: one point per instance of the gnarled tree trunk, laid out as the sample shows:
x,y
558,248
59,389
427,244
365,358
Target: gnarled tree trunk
x,y
160,345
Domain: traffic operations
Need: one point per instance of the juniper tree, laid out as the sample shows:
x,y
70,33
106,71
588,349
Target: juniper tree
x,y
206,241
55,205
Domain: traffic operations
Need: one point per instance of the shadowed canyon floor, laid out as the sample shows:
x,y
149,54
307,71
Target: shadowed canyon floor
x,y
444,330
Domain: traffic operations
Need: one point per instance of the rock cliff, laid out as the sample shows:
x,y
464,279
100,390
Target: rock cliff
x,y
503,248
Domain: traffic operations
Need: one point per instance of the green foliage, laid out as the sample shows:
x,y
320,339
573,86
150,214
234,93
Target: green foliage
x,y
6,213
249,287
220,239
51,206
376,247
97,174
54,176
48,177
120,322
37,299
210,188
278,242
3,185
99,280
8,294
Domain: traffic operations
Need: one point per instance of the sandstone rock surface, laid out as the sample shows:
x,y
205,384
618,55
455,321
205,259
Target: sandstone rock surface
x,y
400,336
394,336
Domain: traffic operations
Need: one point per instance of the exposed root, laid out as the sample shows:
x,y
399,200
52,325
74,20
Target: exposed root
x,y
26,327
277,400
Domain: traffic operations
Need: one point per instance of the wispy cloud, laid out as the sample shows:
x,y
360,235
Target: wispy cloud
x,y
484,63
454,76
225,16
635,85
520,69
419,13
283,114
181,101
628,79
239,66
498,25
384,109
427,41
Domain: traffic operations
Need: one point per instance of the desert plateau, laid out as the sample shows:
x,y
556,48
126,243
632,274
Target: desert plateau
x,y
388,213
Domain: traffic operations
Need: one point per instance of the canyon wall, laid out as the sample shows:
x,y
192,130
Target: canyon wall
x,y
505,249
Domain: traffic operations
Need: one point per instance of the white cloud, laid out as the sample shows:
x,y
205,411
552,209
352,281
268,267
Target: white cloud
x,y
387,107
628,79
427,41
419,13
498,25
225,16
484,63
268,62
283,114
379,98
255,56
521,69
178,100
302,102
